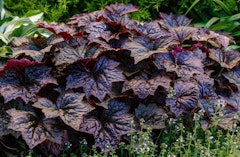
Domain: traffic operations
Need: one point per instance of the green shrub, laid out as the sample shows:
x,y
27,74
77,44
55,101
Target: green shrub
x,y
53,11
201,10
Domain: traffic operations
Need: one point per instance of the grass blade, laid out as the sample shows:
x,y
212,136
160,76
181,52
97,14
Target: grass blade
x,y
224,7
194,3
235,17
211,22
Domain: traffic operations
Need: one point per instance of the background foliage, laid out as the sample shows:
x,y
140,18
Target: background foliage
x,y
201,11
221,15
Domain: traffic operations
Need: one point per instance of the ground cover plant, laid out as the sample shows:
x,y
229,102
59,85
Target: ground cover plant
x,y
98,77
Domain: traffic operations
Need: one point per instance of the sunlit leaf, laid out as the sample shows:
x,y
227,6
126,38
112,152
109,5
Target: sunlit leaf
x,y
153,30
23,79
34,130
143,47
185,63
69,107
212,37
171,20
81,20
227,59
96,81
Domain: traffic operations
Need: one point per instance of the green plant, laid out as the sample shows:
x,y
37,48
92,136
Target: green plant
x,y
13,26
99,75
53,11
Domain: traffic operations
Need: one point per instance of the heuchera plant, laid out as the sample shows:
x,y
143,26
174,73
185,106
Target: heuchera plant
x,y
102,72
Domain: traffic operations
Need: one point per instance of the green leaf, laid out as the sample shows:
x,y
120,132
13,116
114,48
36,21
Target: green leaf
x,y
224,6
2,11
211,22
24,30
234,17
5,51
34,15
190,8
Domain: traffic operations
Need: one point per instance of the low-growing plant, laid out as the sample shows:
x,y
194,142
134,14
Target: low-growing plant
x,y
102,72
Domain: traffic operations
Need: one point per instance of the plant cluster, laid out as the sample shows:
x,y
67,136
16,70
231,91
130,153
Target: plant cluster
x,y
102,72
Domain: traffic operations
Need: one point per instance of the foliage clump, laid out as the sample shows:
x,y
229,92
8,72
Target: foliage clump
x,y
102,72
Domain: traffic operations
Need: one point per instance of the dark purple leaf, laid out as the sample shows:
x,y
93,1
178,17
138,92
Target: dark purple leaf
x,y
34,130
98,81
108,125
206,86
21,41
143,47
153,116
185,63
185,99
4,120
55,40
182,34
171,20
60,29
35,55
23,79
49,148
69,55
128,24
153,30
25,46
233,76
227,59
142,86
113,44
127,64
115,14
211,37
233,100
228,121
202,53
81,20
224,87
69,107
97,29
121,8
